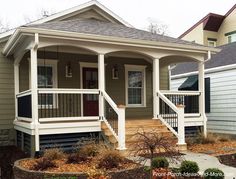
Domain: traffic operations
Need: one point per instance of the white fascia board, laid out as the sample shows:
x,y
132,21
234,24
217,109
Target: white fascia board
x,y
207,71
68,11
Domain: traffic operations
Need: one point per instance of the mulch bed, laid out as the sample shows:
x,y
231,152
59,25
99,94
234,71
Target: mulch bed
x,y
8,155
229,159
215,149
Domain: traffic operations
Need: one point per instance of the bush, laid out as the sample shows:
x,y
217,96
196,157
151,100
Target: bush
x,y
213,173
90,150
43,164
160,162
53,154
76,158
189,167
110,159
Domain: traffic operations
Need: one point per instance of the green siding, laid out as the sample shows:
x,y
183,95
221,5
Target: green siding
x,y
7,109
115,88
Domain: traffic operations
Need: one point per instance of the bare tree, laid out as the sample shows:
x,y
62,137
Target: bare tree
x,y
38,15
157,27
150,143
3,26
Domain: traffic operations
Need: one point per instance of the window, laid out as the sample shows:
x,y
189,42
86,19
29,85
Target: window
x,y
135,86
231,37
211,43
47,78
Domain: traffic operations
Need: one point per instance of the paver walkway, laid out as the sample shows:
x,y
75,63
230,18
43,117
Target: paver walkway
x,y
205,161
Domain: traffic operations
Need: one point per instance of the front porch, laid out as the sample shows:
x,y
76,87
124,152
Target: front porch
x,y
65,89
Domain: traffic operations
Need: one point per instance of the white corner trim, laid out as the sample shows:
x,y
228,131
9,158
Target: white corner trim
x,y
141,68
211,70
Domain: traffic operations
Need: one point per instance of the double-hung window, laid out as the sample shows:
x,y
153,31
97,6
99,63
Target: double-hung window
x,y
47,78
135,86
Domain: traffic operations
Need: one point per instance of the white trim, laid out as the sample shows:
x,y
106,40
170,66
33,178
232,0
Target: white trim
x,y
185,93
69,11
210,70
24,119
141,68
23,93
67,91
64,119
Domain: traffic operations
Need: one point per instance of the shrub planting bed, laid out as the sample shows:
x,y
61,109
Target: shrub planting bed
x,y
229,159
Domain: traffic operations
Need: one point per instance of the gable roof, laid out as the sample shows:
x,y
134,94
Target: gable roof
x,y
227,56
70,11
91,26
211,22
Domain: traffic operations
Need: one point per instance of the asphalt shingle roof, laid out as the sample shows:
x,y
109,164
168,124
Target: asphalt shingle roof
x,y
227,56
92,26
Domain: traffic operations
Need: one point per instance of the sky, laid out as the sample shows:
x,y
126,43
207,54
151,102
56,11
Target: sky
x,y
178,15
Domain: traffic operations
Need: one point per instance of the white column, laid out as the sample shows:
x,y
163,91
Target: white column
x,y
121,128
201,88
16,84
181,125
34,91
156,87
101,83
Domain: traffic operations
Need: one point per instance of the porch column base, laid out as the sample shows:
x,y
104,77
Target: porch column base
x,y
182,147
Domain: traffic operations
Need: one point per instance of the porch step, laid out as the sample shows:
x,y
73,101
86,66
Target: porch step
x,y
135,125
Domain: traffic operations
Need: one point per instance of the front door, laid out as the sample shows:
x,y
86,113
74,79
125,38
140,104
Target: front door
x,y
90,101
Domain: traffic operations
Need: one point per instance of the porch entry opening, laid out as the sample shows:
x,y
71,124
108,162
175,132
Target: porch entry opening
x,y
90,101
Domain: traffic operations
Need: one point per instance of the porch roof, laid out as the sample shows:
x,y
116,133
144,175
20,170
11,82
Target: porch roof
x,y
92,26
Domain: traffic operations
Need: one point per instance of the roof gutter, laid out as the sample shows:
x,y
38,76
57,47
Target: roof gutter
x,y
99,38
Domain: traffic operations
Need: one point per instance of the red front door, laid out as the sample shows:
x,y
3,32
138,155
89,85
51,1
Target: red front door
x,y
90,81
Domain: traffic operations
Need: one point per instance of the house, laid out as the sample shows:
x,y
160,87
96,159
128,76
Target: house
x,y
220,71
85,71
213,29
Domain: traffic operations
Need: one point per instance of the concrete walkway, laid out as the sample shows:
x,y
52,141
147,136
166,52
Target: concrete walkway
x,y
205,161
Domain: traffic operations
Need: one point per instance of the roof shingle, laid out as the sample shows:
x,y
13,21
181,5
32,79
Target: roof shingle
x,y
227,56
92,26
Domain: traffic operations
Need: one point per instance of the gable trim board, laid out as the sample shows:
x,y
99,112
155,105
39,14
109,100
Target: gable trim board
x,y
210,70
5,35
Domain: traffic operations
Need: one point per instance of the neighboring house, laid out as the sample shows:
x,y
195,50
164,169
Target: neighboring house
x,y
220,70
213,29
85,71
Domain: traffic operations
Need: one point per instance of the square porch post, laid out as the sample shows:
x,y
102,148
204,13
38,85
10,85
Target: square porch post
x,y
201,88
34,90
156,87
101,84
16,83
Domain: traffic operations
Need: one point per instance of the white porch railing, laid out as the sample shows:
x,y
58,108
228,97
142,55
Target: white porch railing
x,y
190,99
115,122
174,107
64,105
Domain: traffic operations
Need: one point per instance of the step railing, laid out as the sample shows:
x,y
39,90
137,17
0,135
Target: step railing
x,y
172,116
190,99
114,118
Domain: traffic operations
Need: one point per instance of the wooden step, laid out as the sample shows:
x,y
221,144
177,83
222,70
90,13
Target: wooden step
x,y
135,125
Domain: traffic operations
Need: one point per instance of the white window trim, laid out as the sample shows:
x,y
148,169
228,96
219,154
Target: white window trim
x,y
211,41
231,36
53,64
141,68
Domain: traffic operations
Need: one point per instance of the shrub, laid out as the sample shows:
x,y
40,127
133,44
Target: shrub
x,y
43,164
160,162
213,173
110,159
90,150
75,158
189,167
53,154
